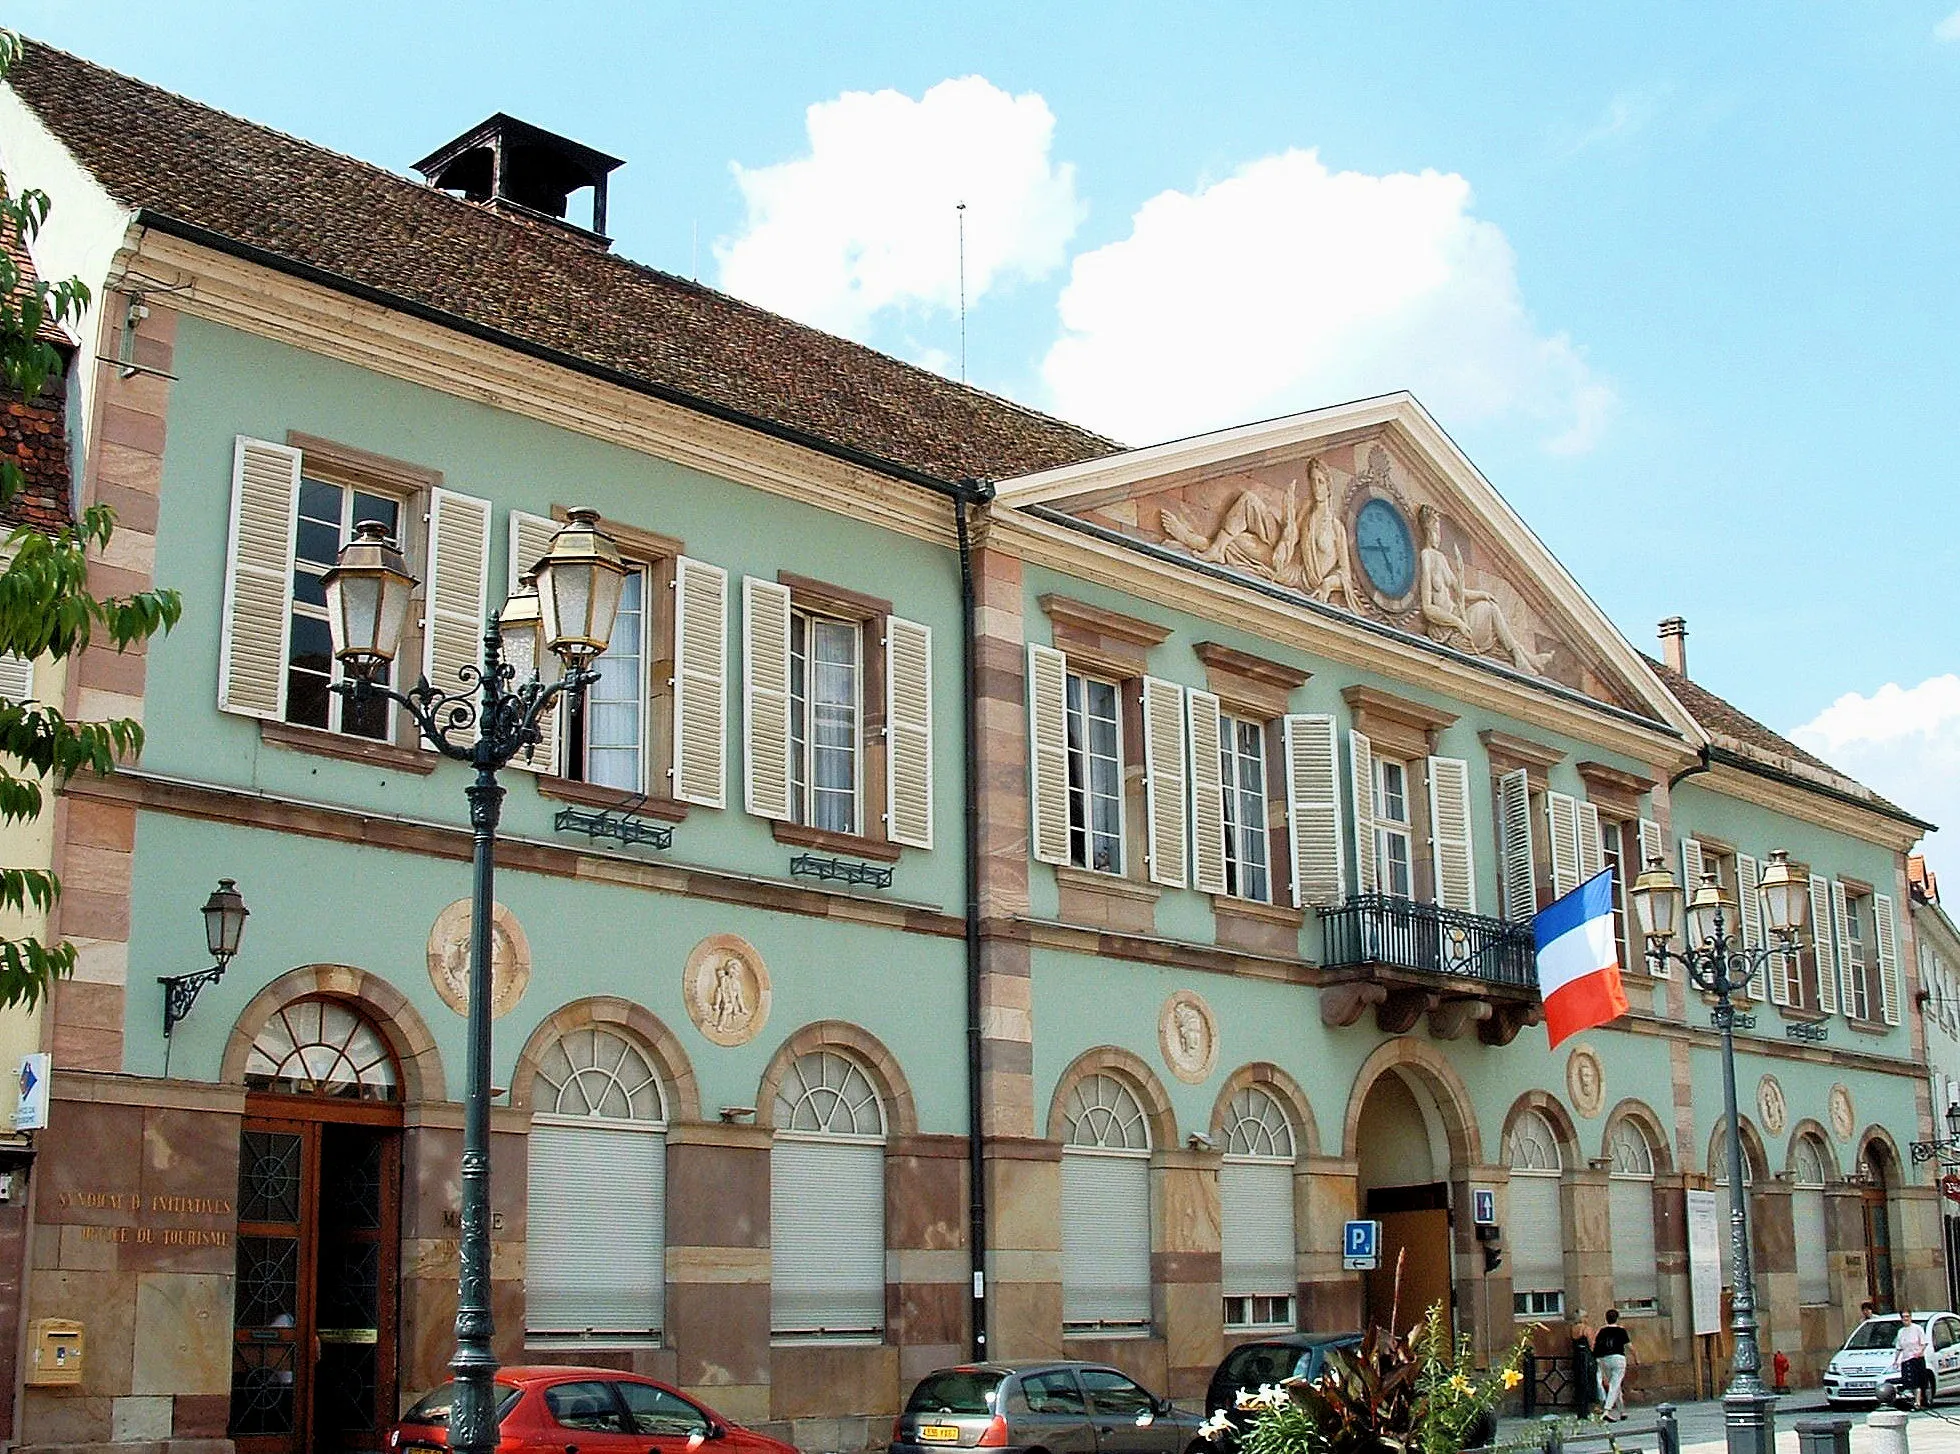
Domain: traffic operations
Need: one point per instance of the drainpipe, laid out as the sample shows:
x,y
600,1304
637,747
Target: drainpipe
x,y
973,492
1700,765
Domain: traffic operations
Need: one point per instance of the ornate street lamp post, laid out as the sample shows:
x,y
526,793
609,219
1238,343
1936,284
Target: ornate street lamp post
x,y
486,724
1718,964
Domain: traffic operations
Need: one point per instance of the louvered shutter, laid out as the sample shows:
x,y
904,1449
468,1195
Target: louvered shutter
x,y
1207,794
1888,957
1255,1200
699,770
530,540
1630,1218
1825,944
258,579
1841,936
1514,845
765,698
1592,843
1361,783
1535,1238
1813,1246
1105,1239
1652,850
1692,868
458,590
16,678
908,733
1048,752
1452,856
826,1237
1165,791
1313,809
1562,820
1749,908
595,1259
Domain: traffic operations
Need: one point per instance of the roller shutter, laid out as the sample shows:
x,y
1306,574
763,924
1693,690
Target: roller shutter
x,y
596,1260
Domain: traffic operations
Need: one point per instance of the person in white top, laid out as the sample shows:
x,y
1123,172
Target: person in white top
x,y
1909,1359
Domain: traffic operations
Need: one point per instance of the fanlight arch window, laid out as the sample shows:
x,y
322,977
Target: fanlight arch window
x,y
827,1201
322,1047
1807,1172
595,1265
1105,1207
1630,1218
1255,1194
1536,1235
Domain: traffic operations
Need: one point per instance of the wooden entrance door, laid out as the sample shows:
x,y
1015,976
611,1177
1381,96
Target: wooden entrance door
x,y
1416,1229
1878,1249
313,1362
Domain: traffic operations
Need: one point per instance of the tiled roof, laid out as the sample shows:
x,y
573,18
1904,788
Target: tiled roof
x,y
532,283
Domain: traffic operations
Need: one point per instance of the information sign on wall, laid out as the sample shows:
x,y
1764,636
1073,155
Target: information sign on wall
x,y
1705,1260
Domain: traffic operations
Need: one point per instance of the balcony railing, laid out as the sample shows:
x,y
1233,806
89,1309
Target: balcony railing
x,y
1398,933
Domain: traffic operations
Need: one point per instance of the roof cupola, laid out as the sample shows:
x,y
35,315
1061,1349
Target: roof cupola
x,y
516,167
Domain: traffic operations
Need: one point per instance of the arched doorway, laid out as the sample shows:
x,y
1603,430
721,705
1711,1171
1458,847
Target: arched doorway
x,y
319,1237
1402,1160
1880,1173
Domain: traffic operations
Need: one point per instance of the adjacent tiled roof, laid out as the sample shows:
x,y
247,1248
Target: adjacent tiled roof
x,y
531,282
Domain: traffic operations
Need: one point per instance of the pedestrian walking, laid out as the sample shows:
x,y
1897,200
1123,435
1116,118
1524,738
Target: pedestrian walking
x,y
1610,1347
1909,1359
1585,1373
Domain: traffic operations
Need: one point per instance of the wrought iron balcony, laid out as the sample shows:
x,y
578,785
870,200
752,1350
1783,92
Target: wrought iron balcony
x,y
1408,959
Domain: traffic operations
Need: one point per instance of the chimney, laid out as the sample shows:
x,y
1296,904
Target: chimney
x,y
522,169
1674,644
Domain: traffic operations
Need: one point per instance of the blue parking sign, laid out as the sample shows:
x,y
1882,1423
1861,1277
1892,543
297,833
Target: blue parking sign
x,y
1361,1239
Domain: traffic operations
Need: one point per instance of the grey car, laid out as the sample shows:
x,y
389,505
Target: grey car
x,y
1052,1407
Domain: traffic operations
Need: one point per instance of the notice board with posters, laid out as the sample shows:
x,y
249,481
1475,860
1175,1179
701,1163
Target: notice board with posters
x,y
1705,1260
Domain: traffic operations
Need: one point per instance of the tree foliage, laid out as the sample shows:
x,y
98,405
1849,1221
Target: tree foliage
x,y
46,608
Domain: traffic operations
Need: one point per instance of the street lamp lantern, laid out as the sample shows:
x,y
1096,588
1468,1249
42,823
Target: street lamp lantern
x,y
579,583
1709,910
522,624
224,920
1786,893
367,600
1657,903
1953,1119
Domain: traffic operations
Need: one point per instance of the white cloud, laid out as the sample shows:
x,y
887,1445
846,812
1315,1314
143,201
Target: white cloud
x,y
866,221
1905,743
1949,28
1287,286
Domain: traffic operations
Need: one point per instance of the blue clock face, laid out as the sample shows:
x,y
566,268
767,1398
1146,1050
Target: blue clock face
x,y
1387,550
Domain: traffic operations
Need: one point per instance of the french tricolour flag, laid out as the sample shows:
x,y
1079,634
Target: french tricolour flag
x,y
1578,961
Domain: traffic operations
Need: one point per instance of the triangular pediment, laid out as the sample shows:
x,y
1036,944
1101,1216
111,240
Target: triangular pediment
x,y
1372,511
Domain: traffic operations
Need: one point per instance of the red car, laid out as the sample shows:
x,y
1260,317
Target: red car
x,y
552,1410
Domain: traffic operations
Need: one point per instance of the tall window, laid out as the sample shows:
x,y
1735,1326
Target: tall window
x,y
1807,1213
1255,1193
1242,770
608,720
827,1203
1616,840
1105,1209
826,705
1095,776
1857,973
1536,1237
328,514
1394,833
595,1264
1630,1212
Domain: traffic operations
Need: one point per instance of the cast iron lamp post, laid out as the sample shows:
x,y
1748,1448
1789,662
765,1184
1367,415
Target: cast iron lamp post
x,y
1718,964
487,723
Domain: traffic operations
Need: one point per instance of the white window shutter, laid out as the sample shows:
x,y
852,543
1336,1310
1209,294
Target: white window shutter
x,y
1207,794
1048,752
1256,1237
1888,957
1562,819
587,1269
16,678
530,539
1361,782
258,579
1105,1240
1630,1220
1592,843
1749,909
1652,850
1514,845
1313,809
1840,913
1165,792
1449,834
827,1237
700,766
1825,944
458,591
908,733
1692,868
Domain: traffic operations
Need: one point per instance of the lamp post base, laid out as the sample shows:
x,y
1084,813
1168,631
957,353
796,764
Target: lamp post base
x,y
1750,1418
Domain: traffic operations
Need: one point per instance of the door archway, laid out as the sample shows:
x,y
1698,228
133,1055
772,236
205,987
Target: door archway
x,y
1881,1175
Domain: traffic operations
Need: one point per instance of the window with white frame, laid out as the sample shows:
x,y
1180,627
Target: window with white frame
x,y
1617,849
1858,967
328,513
595,1259
1242,774
1807,1216
1394,829
1095,775
1536,1236
827,1202
608,721
826,713
1630,1215
1105,1209
1255,1194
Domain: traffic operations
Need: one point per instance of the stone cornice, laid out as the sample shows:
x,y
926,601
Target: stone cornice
x,y
1811,806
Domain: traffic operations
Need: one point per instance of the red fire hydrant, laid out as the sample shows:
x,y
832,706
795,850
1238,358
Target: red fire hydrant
x,y
1781,1363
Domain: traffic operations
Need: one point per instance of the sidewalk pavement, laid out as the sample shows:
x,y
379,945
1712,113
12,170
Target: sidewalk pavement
x,y
1702,1431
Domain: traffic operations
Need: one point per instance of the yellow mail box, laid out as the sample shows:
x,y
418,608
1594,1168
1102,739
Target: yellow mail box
x,y
54,1352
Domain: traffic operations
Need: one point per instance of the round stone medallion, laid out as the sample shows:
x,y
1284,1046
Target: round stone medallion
x,y
1769,1101
1188,1036
1585,1081
1844,1119
726,986
449,959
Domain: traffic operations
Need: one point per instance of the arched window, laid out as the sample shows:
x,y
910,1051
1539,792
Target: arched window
x,y
595,1268
827,1202
320,1047
1807,1214
1630,1216
1255,1194
1105,1207
1536,1236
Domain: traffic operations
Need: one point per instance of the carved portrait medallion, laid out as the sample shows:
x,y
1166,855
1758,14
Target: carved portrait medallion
x,y
1844,1119
1769,1101
1585,1081
1188,1036
449,959
726,987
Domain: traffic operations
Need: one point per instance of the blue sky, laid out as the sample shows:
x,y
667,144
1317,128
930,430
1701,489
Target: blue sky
x,y
1680,278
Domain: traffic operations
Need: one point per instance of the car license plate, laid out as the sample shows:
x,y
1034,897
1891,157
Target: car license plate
x,y
939,1433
